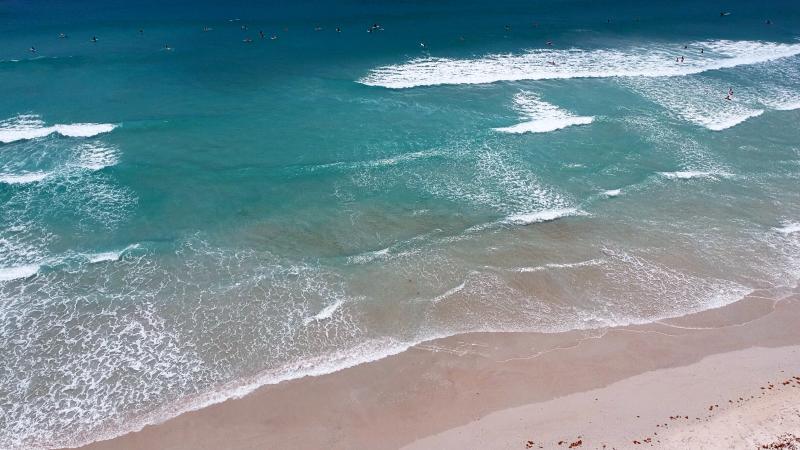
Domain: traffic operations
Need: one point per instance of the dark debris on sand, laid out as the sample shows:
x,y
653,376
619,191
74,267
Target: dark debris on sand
x,y
786,441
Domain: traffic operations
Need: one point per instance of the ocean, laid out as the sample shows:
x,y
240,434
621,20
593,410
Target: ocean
x,y
200,198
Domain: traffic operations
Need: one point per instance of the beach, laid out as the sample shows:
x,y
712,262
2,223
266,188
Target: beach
x,y
723,378
386,224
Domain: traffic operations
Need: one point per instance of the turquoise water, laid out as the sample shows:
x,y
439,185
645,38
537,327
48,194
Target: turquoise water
x,y
178,226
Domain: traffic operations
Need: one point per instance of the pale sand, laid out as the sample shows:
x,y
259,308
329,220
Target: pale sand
x,y
500,390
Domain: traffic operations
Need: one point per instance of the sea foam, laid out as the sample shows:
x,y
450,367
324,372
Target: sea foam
x,y
655,60
25,127
22,178
541,117
13,273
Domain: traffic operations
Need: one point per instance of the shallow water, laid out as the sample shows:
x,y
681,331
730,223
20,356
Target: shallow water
x,y
179,226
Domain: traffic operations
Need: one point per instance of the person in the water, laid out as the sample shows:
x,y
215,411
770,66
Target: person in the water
x,y
32,49
62,36
94,38
729,97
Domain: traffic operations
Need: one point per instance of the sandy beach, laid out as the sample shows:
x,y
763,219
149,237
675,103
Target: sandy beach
x,y
722,378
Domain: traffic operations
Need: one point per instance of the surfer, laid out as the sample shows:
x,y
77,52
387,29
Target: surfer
x,y
167,48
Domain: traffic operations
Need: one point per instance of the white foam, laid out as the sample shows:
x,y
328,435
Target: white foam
x,y
381,162
22,178
541,216
612,192
325,313
781,99
591,262
25,127
789,228
542,117
95,156
13,273
690,174
448,293
368,256
109,256
655,60
699,100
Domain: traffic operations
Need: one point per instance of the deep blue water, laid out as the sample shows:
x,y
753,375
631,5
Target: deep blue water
x,y
184,223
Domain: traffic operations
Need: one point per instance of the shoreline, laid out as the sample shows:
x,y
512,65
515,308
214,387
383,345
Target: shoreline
x,y
453,382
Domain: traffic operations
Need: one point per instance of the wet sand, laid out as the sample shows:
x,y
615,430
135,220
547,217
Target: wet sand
x,y
723,378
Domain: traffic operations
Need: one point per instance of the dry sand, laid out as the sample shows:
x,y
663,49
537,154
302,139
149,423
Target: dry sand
x,y
515,390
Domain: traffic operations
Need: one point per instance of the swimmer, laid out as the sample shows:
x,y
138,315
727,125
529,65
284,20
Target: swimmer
x,y
422,44
247,40
338,30
701,51
550,43
552,63
94,38
681,58
32,49
141,31
62,36
261,34
167,48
